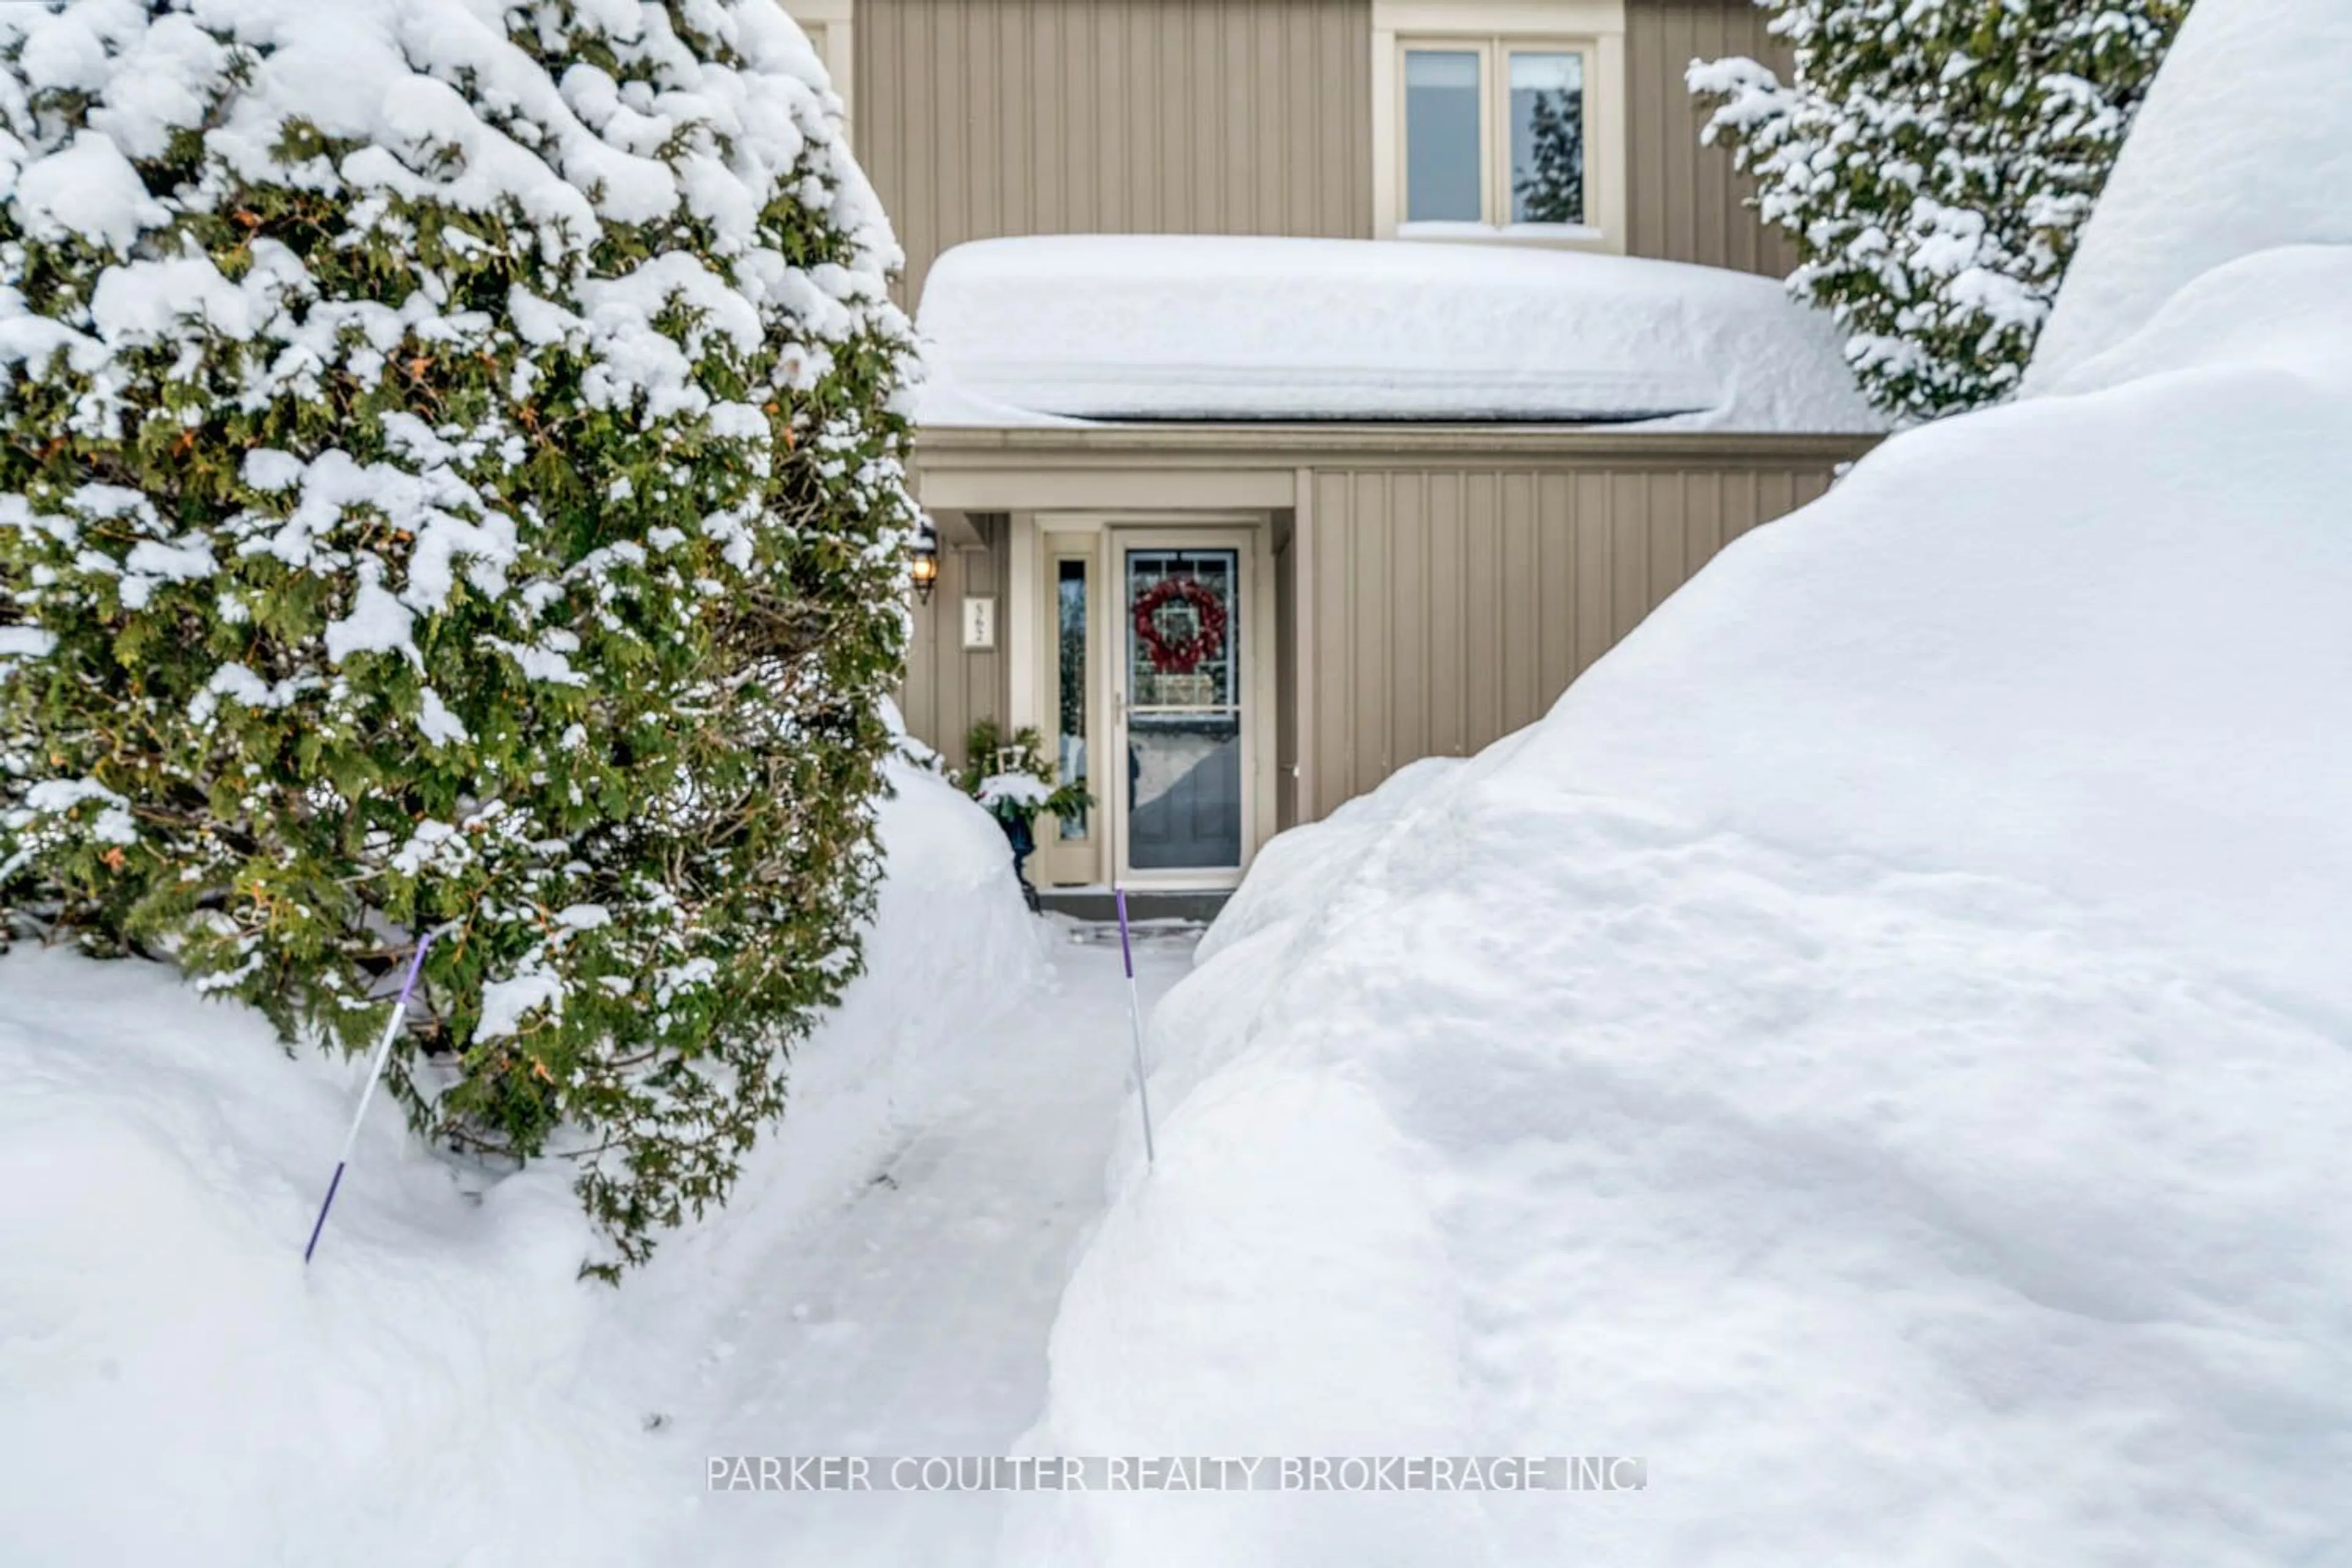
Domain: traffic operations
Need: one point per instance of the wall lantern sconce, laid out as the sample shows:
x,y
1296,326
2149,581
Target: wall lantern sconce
x,y
923,564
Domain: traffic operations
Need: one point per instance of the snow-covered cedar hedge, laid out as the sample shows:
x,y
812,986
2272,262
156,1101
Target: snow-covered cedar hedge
x,y
1933,161
451,474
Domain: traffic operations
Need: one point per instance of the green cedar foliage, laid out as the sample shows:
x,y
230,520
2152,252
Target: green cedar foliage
x,y
1552,189
1010,777
461,492
1933,161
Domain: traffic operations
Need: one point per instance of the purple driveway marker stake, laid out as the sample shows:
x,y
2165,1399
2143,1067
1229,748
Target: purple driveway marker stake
x,y
376,1072
1135,1020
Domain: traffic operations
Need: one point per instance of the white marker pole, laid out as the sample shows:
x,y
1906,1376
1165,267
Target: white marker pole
x,y
376,1072
1135,1021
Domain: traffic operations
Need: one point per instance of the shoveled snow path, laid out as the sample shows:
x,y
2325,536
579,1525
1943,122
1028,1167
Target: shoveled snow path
x,y
913,1319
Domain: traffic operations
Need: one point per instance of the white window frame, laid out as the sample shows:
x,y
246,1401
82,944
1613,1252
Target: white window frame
x,y
1593,28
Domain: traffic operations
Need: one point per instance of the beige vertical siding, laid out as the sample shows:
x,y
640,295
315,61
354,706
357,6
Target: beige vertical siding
x,y
1686,202
1447,607
947,689
981,118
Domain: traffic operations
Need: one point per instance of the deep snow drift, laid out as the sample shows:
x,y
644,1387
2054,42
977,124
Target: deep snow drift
x,y
2239,148
439,1388
1877,1049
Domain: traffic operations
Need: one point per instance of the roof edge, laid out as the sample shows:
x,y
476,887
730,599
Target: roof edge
x,y
1271,445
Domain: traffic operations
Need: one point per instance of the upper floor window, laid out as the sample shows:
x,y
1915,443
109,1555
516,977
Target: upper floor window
x,y
1500,121
1495,133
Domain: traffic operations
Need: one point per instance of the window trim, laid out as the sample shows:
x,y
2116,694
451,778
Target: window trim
x,y
1593,28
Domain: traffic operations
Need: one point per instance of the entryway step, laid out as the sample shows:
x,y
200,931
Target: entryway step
x,y
1097,904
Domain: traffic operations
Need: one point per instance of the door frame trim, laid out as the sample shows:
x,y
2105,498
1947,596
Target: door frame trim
x,y
1034,676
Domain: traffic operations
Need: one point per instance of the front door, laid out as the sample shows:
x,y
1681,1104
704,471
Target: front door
x,y
1180,697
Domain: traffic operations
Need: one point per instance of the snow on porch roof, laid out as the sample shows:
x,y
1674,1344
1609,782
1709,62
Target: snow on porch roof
x,y
1119,327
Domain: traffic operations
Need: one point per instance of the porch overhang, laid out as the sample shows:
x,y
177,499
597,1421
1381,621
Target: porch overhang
x,y
1432,586
1254,466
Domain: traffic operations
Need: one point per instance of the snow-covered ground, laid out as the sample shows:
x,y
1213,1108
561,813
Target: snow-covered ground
x,y
912,1319
1880,1050
439,1388
1877,1052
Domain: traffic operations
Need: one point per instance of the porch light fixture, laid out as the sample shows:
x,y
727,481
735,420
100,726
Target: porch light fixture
x,y
923,565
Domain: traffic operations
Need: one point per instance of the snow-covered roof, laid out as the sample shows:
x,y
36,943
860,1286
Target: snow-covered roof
x,y
1134,326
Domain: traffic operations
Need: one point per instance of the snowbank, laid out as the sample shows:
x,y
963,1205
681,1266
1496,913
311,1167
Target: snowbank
x,y
1154,327
438,1388
2217,167
951,946
1875,1050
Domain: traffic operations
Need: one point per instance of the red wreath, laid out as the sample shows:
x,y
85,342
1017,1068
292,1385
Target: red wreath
x,y
1180,657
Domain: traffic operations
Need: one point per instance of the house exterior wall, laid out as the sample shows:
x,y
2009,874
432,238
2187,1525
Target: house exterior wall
x,y
977,119
1448,604
947,689
1435,587
1685,200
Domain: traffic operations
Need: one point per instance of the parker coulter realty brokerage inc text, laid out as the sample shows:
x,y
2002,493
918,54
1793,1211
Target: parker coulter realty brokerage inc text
x,y
1147,1473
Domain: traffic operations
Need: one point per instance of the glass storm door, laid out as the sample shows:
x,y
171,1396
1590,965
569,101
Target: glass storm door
x,y
1180,701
